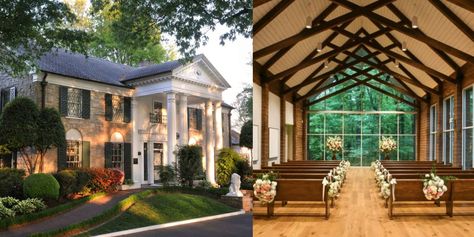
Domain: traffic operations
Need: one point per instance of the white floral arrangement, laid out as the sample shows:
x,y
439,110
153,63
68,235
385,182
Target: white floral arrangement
x,y
385,188
433,186
379,177
387,144
334,144
265,189
345,164
333,187
375,165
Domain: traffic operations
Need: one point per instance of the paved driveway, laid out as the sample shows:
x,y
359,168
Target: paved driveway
x,y
234,226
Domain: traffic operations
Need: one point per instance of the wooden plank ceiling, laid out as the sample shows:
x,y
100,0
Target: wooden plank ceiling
x,y
308,45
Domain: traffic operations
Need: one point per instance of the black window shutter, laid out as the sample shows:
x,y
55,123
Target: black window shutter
x,y
127,160
127,109
189,113
63,100
108,107
108,154
145,161
86,154
86,104
198,119
62,160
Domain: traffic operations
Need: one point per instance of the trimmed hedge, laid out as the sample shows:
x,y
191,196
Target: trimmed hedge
x,y
43,186
11,182
229,162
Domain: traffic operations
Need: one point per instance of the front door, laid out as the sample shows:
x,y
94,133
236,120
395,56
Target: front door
x,y
157,159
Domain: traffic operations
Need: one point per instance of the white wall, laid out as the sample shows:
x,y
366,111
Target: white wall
x,y
289,113
257,125
274,126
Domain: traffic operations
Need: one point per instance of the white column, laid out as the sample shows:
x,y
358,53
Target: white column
x,y
183,120
218,129
137,169
171,111
210,173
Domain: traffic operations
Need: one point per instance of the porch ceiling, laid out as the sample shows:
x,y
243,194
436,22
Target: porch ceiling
x,y
287,51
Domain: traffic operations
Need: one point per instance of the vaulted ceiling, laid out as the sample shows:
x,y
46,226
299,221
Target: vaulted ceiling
x,y
308,46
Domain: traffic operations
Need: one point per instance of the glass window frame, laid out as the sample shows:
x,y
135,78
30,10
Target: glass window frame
x,y
465,128
433,132
74,100
448,158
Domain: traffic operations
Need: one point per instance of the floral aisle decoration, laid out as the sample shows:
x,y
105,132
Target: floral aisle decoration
x,y
387,145
375,165
333,191
334,144
433,186
385,188
265,188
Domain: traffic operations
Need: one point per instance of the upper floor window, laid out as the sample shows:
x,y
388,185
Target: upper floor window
x,y
117,108
7,95
157,115
74,103
195,118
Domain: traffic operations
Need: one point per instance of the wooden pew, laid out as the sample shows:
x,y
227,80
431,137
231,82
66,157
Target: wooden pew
x,y
411,190
307,190
462,190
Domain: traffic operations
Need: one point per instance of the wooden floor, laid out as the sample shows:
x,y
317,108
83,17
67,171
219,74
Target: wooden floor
x,y
360,212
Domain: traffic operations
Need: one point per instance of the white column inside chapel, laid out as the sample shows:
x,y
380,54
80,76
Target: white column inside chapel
x,y
171,116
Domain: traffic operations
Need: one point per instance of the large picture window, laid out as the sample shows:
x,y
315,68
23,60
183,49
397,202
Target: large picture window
x,y
448,129
361,116
468,128
433,131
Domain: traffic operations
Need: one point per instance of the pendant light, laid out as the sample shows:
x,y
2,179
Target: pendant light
x,y
326,63
404,46
414,19
309,24
320,47
397,64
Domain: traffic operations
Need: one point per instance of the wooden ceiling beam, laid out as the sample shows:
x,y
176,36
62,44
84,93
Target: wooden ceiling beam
x,y
315,22
320,28
410,62
466,4
336,92
447,59
329,54
274,12
257,3
407,31
454,18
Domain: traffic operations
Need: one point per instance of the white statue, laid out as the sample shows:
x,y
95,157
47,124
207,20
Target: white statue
x,y
234,188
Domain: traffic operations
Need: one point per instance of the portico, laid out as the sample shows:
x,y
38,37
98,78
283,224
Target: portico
x,y
177,107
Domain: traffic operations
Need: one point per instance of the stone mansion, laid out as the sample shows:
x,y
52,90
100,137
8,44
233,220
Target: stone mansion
x,y
131,118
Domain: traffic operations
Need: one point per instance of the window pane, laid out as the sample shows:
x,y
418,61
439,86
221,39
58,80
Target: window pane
x,y
468,152
352,149
333,123
352,124
315,147
370,149
389,123
370,124
370,99
468,107
407,123
407,147
316,123
334,103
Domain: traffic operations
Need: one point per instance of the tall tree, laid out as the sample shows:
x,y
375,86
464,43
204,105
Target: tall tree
x,y
30,28
186,20
244,105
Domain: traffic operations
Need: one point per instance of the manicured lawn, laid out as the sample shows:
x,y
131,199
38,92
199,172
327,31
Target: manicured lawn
x,y
163,208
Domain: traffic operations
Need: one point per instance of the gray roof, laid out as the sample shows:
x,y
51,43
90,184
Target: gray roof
x,y
82,67
99,70
154,69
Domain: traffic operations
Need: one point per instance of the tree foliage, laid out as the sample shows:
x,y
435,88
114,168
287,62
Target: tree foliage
x,y
30,131
246,135
244,105
189,163
30,28
187,21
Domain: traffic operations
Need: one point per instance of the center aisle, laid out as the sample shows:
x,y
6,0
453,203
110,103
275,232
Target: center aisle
x,y
360,211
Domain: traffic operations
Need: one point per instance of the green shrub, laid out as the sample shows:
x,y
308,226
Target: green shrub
x,y
67,180
43,186
83,179
6,212
167,174
9,202
24,207
11,182
190,163
229,162
204,184
105,180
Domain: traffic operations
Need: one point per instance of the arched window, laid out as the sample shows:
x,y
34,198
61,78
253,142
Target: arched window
x,y
73,149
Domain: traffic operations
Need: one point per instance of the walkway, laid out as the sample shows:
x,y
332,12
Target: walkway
x,y
235,226
78,214
360,212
